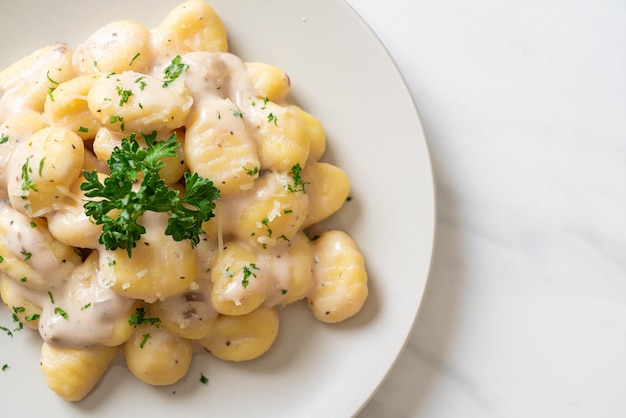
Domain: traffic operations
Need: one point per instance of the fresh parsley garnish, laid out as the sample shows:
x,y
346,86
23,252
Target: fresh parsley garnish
x,y
119,205
61,312
123,94
145,338
298,182
134,58
32,317
173,71
251,172
247,273
139,318
28,183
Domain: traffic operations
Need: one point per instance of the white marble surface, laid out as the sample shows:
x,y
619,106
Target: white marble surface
x,y
524,106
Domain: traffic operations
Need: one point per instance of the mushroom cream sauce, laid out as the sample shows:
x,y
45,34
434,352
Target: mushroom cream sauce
x,y
63,111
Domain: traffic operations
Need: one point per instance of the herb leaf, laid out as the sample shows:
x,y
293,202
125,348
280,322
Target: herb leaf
x,y
173,71
298,182
139,318
119,205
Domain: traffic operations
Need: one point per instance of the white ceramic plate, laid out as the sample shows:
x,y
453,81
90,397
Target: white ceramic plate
x,y
342,74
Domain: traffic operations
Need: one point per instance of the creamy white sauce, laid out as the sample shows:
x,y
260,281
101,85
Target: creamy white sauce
x,y
79,306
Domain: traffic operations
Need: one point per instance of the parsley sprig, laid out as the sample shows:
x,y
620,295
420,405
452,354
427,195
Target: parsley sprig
x,y
119,203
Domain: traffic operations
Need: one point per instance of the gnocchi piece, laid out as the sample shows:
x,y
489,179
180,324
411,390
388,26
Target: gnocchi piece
x,y
26,83
340,288
282,139
82,312
159,268
225,153
30,254
73,372
314,129
239,285
189,315
43,168
191,26
135,102
157,357
291,264
16,129
67,106
244,337
328,187
70,224
26,310
274,210
114,48
268,81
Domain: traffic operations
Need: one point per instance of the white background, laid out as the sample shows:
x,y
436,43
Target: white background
x,y
524,107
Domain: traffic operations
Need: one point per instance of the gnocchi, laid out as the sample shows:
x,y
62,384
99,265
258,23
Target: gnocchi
x,y
201,271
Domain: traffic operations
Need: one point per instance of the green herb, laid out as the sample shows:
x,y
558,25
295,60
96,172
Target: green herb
x,y
83,129
265,100
116,118
55,85
27,254
139,318
145,339
298,182
283,291
5,367
18,309
251,172
124,94
349,198
142,84
272,118
1,259
237,113
247,272
134,58
173,71
41,163
129,163
28,183
266,222
8,331
85,306
33,224
33,317
203,379
24,279
61,312
4,138
51,297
